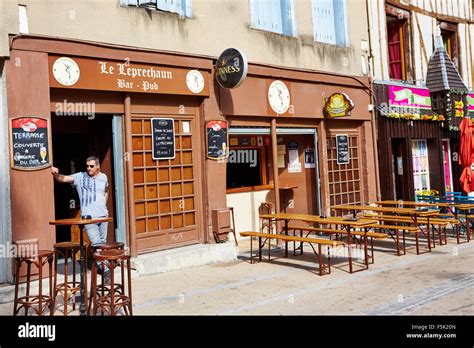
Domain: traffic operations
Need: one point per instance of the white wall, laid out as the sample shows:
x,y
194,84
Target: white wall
x,y
246,206
214,26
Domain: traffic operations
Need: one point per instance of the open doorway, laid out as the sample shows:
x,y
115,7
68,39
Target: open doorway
x,y
74,139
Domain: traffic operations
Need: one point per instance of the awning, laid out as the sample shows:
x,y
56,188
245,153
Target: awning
x,y
407,113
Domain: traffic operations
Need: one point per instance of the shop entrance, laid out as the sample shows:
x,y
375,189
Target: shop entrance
x,y
400,169
297,173
74,139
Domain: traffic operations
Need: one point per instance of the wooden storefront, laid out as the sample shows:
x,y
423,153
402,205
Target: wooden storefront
x,y
164,201
396,139
313,189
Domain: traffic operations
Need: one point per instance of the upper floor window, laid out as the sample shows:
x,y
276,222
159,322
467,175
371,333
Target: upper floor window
x,y
449,34
330,21
398,43
273,15
181,7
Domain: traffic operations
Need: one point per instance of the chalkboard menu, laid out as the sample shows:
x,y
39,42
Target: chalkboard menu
x,y
342,146
216,139
163,145
29,143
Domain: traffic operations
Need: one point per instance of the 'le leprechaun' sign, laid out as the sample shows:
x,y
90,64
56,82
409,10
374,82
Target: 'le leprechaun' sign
x,y
29,143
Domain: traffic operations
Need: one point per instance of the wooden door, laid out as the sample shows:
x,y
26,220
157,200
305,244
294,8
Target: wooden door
x,y
166,192
301,196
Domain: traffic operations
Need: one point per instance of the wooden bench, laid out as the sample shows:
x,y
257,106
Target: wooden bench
x,y
407,229
373,235
319,241
337,232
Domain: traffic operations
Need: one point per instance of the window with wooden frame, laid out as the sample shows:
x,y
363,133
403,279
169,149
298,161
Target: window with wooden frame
x,y
398,45
449,34
344,179
247,167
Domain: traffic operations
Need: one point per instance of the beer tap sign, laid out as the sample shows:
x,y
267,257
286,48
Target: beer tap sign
x,y
231,68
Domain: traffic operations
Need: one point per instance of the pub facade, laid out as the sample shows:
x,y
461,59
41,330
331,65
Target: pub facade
x,y
300,131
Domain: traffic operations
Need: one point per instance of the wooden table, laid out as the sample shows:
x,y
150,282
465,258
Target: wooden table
x,y
412,212
347,224
80,223
450,205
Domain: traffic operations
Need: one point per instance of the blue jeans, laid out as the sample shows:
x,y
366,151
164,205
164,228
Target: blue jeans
x,y
97,233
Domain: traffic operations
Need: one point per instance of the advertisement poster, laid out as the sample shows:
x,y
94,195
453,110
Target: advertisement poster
x,y
309,158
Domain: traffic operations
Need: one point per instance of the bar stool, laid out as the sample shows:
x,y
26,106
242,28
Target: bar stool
x,y
112,301
66,289
102,288
39,301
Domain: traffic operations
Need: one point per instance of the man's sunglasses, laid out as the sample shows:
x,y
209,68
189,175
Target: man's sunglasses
x,y
90,165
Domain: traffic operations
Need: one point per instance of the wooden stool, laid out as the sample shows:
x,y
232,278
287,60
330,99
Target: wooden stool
x,y
113,300
67,250
102,288
40,301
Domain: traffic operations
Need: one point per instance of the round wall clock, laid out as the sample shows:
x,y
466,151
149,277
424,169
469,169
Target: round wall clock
x,y
195,81
66,71
279,97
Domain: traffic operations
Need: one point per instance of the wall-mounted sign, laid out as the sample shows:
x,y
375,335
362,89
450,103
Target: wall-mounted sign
x,y
309,158
342,149
125,76
470,102
231,68
217,139
409,97
29,143
338,105
163,144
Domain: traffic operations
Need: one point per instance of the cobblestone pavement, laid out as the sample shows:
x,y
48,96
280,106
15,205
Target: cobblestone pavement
x,y
436,283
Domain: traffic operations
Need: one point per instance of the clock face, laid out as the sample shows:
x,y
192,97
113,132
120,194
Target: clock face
x,y
66,71
279,97
195,81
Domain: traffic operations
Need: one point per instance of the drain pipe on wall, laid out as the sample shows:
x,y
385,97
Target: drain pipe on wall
x,y
373,102
276,185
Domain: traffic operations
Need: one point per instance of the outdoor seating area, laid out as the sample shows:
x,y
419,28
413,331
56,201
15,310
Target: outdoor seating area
x,y
107,296
425,224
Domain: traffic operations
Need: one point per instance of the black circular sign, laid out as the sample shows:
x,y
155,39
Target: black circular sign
x,y
231,68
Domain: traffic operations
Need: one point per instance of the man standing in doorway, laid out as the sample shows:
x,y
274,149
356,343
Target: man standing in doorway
x,y
92,187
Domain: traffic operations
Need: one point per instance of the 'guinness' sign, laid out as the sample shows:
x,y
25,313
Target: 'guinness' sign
x,y
231,68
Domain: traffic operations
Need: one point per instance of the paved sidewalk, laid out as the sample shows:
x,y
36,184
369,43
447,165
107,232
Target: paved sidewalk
x,y
436,283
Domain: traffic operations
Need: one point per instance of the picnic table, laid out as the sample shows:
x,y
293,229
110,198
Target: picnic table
x,y
348,224
453,207
413,213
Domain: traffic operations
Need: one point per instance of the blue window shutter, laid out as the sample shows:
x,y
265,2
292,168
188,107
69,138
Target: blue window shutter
x,y
169,5
340,21
163,5
323,21
188,8
254,13
287,17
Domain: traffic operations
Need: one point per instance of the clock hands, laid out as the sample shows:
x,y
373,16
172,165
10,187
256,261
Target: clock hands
x,y
67,69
